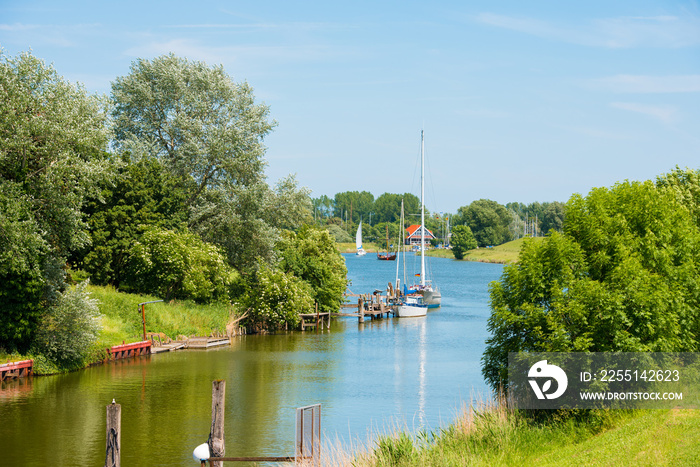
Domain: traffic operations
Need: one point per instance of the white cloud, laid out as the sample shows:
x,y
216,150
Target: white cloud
x,y
622,32
649,84
664,114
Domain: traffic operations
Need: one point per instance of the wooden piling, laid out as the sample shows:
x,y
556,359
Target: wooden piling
x,y
361,309
114,435
216,434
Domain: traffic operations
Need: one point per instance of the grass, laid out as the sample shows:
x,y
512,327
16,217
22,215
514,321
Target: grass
x,y
122,322
503,254
491,435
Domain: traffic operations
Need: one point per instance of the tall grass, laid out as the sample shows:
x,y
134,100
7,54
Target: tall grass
x,y
122,319
483,434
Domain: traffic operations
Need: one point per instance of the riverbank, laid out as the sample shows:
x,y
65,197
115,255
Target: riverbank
x,y
121,322
494,436
506,253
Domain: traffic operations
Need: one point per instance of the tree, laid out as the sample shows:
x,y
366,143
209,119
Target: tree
x,y
180,265
195,119
311,255
356,204
53,138
553,217
487,220
622,277
70,327
274,299
143,195
462,240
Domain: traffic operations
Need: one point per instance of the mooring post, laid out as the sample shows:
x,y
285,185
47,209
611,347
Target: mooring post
x,y
216,435
114,435
361,309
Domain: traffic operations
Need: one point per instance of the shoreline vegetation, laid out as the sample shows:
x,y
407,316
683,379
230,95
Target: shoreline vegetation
x,y
506,253
489,434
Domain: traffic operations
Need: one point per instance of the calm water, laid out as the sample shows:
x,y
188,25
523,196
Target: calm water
x,y
368,377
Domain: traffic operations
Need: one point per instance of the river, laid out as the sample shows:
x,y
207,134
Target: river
x,y
412,373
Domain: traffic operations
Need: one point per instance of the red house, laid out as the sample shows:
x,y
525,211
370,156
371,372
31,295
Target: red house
x,y
413,237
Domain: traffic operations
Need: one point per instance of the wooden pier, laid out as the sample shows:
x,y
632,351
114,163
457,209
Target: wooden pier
x,y
20,369
206,342
315,320
374,306
129,350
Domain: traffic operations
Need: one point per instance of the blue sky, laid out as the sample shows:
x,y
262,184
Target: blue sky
x,y
520,101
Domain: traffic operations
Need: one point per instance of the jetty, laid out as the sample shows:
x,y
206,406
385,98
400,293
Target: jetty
x,y
372,306
204,342
20,369
124,350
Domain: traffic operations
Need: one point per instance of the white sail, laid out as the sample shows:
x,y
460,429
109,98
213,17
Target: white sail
x,y
358,240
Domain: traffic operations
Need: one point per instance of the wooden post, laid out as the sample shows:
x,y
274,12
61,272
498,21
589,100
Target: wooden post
x,y
316,316
216,434
361,309
114,435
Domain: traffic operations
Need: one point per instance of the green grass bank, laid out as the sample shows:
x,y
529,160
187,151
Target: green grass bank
x,y
497,437
121,322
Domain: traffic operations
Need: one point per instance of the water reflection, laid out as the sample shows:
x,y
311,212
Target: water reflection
x,y
367,376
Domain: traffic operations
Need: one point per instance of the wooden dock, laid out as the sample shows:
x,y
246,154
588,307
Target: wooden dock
x,y
20,369
206,342
170,346
374,306
129,350
315,320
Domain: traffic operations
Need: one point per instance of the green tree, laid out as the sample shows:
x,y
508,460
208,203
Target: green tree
x,y
487,220
143,195
356,204
195,119
622,277
206,128
180,265
553,217
462,240
53,138
311,255
274,299
70,327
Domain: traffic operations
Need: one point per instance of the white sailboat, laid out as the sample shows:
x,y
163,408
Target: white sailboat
x,y
430,293
358,241
412,304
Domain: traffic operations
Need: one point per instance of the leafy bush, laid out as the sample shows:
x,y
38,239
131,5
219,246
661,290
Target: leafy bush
x,y
70,327
311,255
179,265
275,298
462,240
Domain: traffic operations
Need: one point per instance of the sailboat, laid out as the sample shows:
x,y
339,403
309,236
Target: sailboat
x,y
411,304
358,241
431,294
388,256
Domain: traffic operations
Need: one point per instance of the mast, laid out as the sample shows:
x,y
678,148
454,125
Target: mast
x,y
422,211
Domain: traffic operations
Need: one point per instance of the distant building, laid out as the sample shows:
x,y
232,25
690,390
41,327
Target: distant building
x,y
413,237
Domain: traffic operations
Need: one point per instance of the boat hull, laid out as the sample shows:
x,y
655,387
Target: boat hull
x,y
432,298
411,311
412,307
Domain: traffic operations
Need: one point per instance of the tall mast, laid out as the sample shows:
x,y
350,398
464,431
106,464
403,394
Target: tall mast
x,y
422,211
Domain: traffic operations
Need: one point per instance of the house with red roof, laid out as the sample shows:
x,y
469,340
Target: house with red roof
x,y
414,233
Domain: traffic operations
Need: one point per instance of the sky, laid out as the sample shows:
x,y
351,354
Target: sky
x,y
519,101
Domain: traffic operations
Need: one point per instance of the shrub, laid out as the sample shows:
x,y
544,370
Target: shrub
x,y
68,328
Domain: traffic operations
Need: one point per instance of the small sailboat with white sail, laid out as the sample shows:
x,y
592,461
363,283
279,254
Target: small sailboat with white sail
x,y
358,241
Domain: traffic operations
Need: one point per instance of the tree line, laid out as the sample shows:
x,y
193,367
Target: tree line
x,y
157,188
490,222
